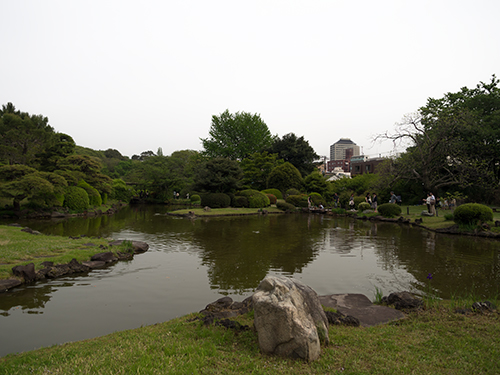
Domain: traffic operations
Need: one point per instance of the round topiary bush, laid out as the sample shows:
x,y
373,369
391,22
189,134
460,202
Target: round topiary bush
x,y
272,198
389,210
94,196
76,198
363,206
274,192
195,198
256,199
215,200
317,199
299,200
284,206
292,192
471,213
240,201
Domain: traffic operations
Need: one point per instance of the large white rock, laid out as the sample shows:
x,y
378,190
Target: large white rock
x,y
289,318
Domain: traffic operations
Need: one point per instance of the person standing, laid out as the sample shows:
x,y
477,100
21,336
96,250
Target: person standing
x,y
351,202
393,198
432,202
374,202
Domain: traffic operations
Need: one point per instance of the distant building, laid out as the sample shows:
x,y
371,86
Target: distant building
x,y
362,164
341,153
338,151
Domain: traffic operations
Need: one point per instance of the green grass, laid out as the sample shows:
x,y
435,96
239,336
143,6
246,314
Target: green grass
x,y
20,248
435,341
226,211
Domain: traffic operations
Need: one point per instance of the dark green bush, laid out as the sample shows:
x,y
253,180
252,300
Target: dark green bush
x,y
195,198
363,206
389,210
448,217
121,191
215,200
94,196
76,198
272,198
284,206
292,192
240,201
256,199
317,199
471,213
299,200
274,192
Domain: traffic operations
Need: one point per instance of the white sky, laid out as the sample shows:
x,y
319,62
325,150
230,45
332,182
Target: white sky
x,y
139,75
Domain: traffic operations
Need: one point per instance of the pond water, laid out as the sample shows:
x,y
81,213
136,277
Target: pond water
x,y
191,263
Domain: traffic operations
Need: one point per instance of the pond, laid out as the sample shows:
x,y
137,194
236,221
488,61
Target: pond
x,y
191,263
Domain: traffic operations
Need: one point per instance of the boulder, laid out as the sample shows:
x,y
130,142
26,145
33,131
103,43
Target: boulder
x,y
27,272
8,284
289,319
403,301
138,246
107,257
225,308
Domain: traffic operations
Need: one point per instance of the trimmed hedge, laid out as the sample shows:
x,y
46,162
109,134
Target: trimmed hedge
x,y
256,199
471,213
240,201
94,196
317,199
363,206
215,200
284,206
292,192
389,210
272,198
195,198
274,192
76,198
297,200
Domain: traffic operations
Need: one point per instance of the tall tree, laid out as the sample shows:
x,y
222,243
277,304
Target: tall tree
x,y
257,167
23,136
295,150
453,142
284,177
236,136
219,175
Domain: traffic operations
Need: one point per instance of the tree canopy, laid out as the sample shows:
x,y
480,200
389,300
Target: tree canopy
x,y
236,136
453,142
295,150
219,175
257,167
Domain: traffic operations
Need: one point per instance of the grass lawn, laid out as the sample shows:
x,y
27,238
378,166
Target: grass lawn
x,y
226,211
20,248
433,341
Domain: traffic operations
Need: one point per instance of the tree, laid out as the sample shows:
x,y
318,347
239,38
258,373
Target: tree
x,y
236,136
219,175
315,182
284,177
257,167
61,147
453,142
295,150
22,136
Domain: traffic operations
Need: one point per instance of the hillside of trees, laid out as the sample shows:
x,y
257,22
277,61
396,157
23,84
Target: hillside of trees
x,y
452,149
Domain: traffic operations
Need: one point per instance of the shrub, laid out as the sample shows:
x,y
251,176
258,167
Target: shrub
x,y
292,192
285,176
94,196
256,199
240,201
215,200
448,217
284,206
317,199
274,192
195,198
76,198
272,198
471,213
120,190
363,206
297,200
389,210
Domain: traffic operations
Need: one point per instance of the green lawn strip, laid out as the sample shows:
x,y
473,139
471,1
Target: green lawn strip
x,y
225,211
435,341
20,248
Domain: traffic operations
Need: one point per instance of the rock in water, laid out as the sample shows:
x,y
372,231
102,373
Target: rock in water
x,y
289,319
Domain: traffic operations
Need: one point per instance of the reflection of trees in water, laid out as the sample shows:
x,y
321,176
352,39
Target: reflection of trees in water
x,y
459,265
26,298
241,252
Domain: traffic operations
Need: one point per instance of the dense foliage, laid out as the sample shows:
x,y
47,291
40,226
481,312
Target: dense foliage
x,y
284,177
471,213
215,200
76,198
297,151
389,210
255,198
236,136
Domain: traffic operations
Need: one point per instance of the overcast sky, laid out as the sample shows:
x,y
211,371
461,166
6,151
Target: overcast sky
x,y
139,75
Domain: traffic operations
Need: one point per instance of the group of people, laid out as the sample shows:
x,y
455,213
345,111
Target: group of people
x,y
372,200
430,201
